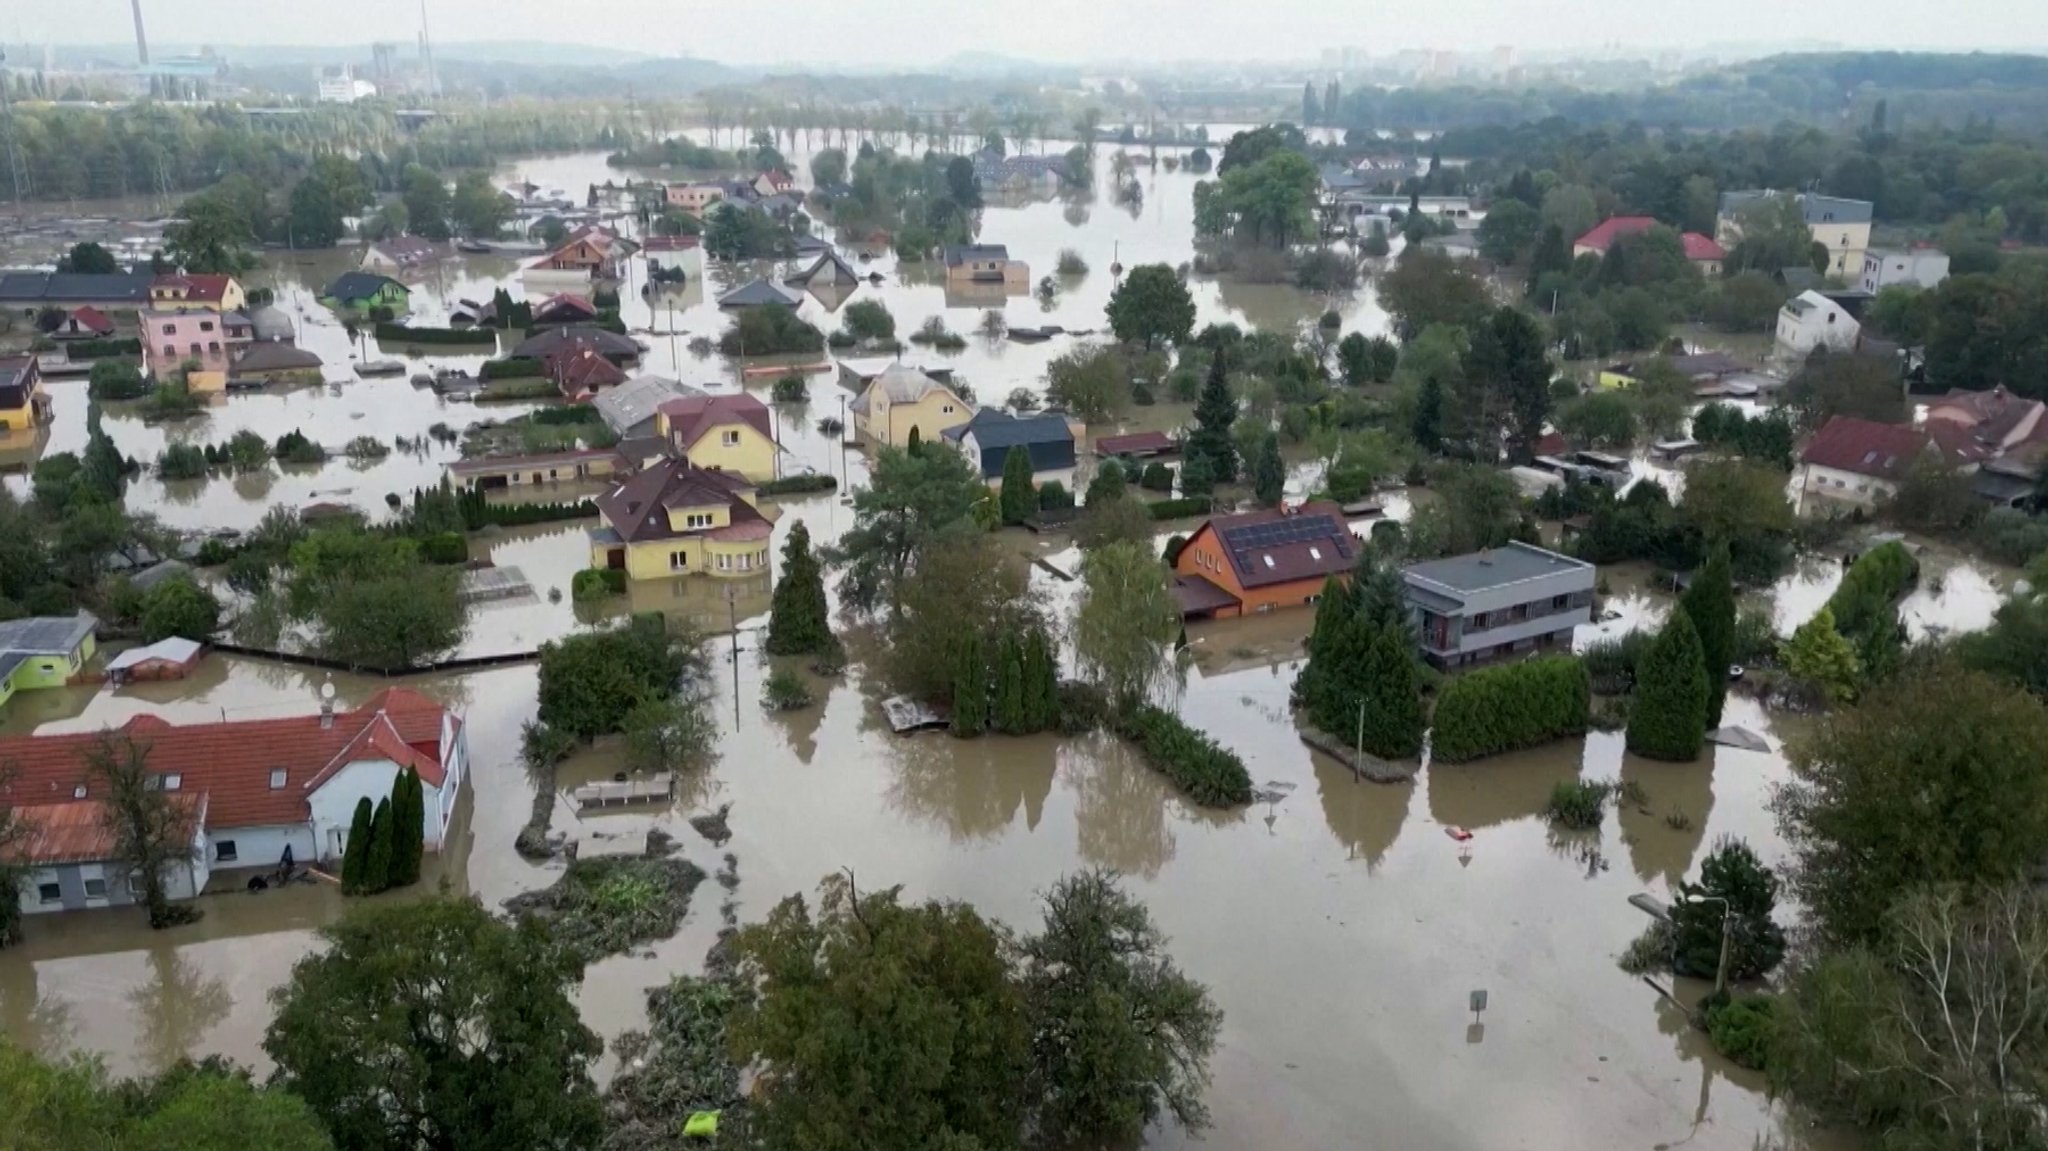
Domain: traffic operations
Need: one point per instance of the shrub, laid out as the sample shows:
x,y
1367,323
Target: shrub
x,y
933,333
1579,804
116,380
790,389
769,331
478,512
1053,496
1204,770
294,448
1181,508
1517,705
100,349
366,448
798,484
445,548
785,690
1741,1029
1612,663
1070,263
866,320
2010,536
1871,586
509,369
182,462
1157,477
593,584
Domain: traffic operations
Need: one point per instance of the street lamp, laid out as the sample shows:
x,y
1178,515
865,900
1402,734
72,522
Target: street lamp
x,y
1727,920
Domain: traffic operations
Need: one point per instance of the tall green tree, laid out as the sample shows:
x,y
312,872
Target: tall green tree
x,y
1732,880
1552,257
152,829
1938,776
1269,474
970,687
1215,413
873,1016
1019,495
426,202
1818,654
74,1104
408,829
1011,713
911,499
89,258
1126,623
212,236
1428,425
1152,306
356,859
1669,717
799,619
476,208
332,190
377,866
1710,603
1119,1034
433,1024
1509,358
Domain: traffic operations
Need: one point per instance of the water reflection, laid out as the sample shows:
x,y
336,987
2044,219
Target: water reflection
x,y
1120,807
1501,789
37,1019
177,1005
1664,832
972,789
1365,817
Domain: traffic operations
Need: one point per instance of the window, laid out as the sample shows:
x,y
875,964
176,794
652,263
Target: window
x,y
206,325
1557,602
166,782
95,889
697,520
78,792
724,563
135,884
170,350
730,439
1313,553
677,561
213,345
946,409
51,893
277,777
224,850
170,329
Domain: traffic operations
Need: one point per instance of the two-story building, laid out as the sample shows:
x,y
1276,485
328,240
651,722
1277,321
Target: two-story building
x,y
1811,320
1859,461
23,403
695,197
254,788
1498,603
178,291
1262,560
674,518
1841,226
729,433
172,337
1921,266
903,403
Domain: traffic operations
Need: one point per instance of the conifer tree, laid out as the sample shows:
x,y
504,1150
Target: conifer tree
x,y
1011,715
970,689
1215,412
1710,602
1019,499
377,865
799,619
358,857
408,828
1041,683
1669,719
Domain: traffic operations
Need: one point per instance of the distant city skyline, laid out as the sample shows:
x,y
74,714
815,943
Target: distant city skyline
x,y
837,35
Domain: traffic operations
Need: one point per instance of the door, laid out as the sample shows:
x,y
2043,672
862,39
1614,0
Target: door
x,y
615,559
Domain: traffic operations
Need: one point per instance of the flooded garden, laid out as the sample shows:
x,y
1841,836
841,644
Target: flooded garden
x,y
1339,924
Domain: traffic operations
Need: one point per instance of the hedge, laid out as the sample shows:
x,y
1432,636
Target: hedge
x,y
99,349
1182,508
529,389
1513,706
408,334
477,512
794,485
1872,585
609,322
445,548
509,369
1204,770
593,584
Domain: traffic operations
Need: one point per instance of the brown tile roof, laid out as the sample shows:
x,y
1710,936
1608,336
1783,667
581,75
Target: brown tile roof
x,y
564,305
204,287
689,417
1865,447
584,371
1276,545
91,319
231,763
1197,596
637,507
1136,442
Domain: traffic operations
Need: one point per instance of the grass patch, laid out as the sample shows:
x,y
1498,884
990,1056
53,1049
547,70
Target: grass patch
x,y
610,905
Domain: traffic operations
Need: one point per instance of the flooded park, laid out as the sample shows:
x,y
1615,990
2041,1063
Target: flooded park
x,y
1338,923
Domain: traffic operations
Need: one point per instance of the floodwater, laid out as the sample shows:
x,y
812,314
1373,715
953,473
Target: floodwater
x,y
1338,925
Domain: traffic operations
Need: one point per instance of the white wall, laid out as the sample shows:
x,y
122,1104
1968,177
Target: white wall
x,y
1848,487
334,803
263,847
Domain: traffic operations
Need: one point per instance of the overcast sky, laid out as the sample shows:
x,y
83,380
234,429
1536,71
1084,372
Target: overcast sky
x,y
870,32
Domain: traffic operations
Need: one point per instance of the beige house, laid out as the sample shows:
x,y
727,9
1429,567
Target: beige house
x,y
1841,226
985,264
903,401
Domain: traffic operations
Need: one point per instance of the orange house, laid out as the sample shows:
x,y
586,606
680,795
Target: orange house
x,y
1263,560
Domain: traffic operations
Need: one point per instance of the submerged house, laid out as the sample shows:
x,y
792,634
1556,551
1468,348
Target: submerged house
x,y
674,518
23,403
1497,603
44,651
365,290
1046,437
1262,560
903,405
255,789
985,264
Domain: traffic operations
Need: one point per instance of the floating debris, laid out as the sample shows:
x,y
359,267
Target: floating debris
x,y
1738,737
713,826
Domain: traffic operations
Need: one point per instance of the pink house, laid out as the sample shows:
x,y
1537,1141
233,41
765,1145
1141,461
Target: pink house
x,y
170,338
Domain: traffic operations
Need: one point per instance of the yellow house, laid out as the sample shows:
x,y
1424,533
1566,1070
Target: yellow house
x,y
23,404
48,651
734,434
1841,226
215,293
676,519
904,400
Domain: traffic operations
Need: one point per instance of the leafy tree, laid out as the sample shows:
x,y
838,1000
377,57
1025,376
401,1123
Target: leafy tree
x,y
1093,383
356,861
1268,203
434,1024
151,829
1126,622
1552,257
868,320
1602,419
1572,209
1938,777
1731,877
1118,1032
872,1016
911,499
1669,717
1425,288
799,621
1509,229
2015,646
1710,603
116,380
591,681
179,607
212,236
408,616
963,583
426,201
332,190
1210,442
828,166
88,258
1845,384
1817,654
1269,474
1507,357
1354,359
770,331
1019,496
476,208
190,1107
1152,305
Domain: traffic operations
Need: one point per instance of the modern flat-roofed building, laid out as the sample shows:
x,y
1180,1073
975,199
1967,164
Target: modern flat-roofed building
x,y
1499,603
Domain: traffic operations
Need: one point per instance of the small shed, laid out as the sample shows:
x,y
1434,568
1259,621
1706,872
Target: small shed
x,y
171,658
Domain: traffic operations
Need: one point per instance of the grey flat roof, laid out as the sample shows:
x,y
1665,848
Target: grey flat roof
x,y
46,635
1497,567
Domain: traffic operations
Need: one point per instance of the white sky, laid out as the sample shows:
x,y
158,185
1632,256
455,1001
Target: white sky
x,y
909,32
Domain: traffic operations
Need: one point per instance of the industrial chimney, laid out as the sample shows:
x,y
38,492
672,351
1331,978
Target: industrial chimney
x,y
141,41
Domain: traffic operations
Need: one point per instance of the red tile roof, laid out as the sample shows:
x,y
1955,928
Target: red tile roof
x,y
585,371
91,319
230,764
202,287
565,304
1604,234
637,508
1135,443
689,417
1278,545
1865,447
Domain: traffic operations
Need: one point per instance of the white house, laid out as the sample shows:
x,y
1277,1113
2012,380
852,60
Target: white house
x,y
1859,461
257,788
1810,320
341,86
674,254
1918,267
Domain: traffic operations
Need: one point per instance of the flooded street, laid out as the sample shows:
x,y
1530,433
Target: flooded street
x,y
1339,927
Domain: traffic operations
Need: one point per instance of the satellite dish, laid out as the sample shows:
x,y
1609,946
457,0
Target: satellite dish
x,y
327,690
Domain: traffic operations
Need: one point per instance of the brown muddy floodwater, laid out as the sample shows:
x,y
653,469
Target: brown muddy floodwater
x,y
1339,926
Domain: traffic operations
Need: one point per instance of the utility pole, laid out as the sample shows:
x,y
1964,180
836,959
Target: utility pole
x,y
1358,756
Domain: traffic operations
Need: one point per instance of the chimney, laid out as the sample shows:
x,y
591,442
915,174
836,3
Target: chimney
x,y
326,714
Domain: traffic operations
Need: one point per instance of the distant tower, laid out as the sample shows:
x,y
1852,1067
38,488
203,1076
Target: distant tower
x,y
141,41
427,52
